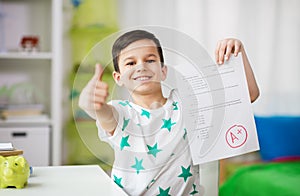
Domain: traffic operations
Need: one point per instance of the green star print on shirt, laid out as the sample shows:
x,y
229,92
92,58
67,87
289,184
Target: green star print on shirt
x,y
118,181
138,165
185,173
124,142
145,113
153,150
175,105
125,123
125,103
167,124
194,190
163,192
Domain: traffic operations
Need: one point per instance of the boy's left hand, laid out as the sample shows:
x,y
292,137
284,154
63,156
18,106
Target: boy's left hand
x,y
226,47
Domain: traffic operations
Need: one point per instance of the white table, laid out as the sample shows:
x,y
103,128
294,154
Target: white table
x,y
67,180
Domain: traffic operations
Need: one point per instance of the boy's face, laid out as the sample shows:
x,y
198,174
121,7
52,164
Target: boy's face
x,y
140,68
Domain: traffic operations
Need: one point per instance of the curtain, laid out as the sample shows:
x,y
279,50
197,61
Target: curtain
x,y
269,30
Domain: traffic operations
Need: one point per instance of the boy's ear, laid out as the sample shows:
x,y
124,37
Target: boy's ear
x,y
164,71
117,78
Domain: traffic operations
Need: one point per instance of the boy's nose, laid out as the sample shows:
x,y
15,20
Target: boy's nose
x,y
141,67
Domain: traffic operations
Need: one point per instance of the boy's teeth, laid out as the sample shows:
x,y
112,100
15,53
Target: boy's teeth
x,y
143,78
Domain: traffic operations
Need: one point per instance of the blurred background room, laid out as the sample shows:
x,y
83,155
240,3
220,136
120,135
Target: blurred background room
x,y
46,59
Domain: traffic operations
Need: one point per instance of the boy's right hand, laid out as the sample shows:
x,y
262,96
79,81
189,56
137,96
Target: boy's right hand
x,y
94,94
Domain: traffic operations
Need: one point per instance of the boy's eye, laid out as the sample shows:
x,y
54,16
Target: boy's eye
x,y
130,63
150,61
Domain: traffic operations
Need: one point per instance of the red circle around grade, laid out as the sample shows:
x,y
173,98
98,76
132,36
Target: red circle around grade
x,y
236,136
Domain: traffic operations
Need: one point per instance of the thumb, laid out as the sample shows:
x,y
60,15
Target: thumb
x,y
98,72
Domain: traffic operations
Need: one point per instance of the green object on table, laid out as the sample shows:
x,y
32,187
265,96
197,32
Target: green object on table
x,y
281,178
14,172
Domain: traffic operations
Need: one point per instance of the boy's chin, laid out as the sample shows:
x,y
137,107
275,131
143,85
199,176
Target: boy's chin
x,y
145,90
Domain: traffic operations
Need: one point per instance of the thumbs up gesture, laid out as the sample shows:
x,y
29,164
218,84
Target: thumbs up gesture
x,y
94,94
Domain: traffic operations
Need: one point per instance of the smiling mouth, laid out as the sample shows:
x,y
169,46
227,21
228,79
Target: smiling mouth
x,y
143,78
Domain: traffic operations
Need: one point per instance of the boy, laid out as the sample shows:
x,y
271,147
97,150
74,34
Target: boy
x,y
148,136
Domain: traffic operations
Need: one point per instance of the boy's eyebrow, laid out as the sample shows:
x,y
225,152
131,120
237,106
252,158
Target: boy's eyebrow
x,y
128,58
132,57
150,55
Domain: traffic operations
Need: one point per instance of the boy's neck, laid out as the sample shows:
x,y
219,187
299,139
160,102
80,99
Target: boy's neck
x,y
149,101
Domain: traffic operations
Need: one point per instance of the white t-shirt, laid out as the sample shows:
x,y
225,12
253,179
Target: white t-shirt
x,y
152,155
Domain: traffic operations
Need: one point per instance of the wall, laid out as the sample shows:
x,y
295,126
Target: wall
x,y
269,30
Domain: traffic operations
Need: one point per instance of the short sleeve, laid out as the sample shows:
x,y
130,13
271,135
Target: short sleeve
x,y
106,137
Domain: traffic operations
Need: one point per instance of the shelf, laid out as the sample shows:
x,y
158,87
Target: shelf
x,y
20,55
43,69
25,123
35,120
